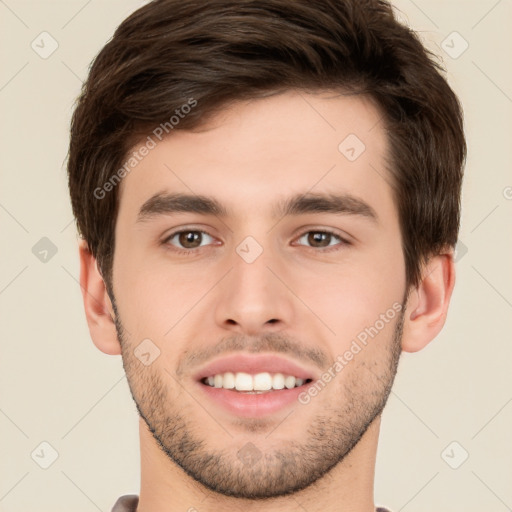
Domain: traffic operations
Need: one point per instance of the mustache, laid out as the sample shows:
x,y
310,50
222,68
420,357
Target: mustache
x,y
270,342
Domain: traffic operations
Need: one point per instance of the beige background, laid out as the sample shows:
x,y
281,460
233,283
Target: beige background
x,y
58,388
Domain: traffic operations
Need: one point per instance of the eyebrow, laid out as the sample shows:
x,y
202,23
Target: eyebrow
x,y
299,204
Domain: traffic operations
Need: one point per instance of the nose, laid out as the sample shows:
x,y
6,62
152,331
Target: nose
x,y
253,297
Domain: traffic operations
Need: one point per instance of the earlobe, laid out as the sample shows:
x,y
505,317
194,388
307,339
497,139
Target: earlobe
x,y
97,304
427,306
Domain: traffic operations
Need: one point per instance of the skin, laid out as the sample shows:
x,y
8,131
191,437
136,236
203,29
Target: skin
x,y
215,303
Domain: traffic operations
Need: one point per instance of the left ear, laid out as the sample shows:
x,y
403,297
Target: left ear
x,y
427,306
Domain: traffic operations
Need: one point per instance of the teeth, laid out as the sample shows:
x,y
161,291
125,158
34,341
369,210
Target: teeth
x,y
260,382
243,381
228,380
289,382
278,381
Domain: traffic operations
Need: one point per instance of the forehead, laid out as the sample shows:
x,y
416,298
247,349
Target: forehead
x,y
259,150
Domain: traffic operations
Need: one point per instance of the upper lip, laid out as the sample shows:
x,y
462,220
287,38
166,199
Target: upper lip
x,y
253,364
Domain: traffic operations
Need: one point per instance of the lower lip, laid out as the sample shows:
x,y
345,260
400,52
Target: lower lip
x,y
253,405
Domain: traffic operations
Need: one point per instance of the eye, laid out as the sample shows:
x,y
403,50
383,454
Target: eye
x,y
188,240
319,238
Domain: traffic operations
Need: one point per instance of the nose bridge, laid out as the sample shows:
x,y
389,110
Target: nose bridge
x,y
252,297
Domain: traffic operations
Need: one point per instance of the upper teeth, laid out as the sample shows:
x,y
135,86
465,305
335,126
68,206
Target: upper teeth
x,y
260,382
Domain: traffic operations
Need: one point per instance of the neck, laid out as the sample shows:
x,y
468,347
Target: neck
x,y
348,487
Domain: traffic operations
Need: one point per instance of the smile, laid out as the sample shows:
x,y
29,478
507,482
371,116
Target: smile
x,y
259,383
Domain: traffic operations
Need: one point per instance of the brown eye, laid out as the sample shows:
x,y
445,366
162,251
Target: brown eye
x,y
187,239
322,239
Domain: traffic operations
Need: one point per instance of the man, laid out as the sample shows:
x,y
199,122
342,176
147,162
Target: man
x,y
268,194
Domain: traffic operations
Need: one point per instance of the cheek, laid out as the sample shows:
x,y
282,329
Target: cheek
x,y
160,300
145,306
350,297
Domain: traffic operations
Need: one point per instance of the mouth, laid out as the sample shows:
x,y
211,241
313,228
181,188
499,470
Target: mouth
x,y
254,385
259,383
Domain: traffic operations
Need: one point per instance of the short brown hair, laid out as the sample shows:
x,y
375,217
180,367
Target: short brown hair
x,y
226,50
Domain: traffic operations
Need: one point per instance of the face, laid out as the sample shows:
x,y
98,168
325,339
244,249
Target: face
x,y
286,261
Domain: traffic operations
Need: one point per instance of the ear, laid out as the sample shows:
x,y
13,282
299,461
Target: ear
x,y
97,304
427,306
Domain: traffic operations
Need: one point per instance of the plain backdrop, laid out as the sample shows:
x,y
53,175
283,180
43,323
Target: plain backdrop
x,y
445,441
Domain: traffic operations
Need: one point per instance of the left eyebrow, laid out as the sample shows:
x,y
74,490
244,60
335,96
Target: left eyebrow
x,y
345,204
167,204
299,204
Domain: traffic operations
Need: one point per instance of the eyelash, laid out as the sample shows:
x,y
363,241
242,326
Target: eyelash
x,y
191,252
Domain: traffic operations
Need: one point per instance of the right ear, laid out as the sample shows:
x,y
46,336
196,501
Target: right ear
x,y
98,307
